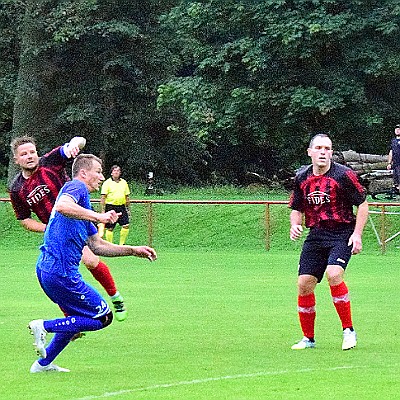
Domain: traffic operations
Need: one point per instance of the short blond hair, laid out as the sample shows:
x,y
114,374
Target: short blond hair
x,y
84,161
19,141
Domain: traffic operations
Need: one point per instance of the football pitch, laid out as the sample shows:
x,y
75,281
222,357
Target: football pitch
x,y
209,325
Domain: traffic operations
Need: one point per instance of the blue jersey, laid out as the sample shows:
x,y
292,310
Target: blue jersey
x,y
65,237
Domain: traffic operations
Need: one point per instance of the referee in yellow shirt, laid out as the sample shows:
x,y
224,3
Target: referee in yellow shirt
x,y
115,196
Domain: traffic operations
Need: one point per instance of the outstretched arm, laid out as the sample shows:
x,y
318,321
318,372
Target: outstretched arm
x,y
31,224
67,206
107,249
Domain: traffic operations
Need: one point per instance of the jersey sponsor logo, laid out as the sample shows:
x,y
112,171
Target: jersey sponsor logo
x,y
37,194
317,198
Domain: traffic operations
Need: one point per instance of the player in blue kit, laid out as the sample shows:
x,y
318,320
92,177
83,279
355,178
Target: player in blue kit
x,y
70,228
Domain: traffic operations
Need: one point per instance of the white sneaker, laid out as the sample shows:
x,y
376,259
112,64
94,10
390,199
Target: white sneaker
x,y
36,367
304,343
39,333
349,339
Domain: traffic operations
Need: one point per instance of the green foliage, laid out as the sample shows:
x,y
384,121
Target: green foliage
x,y
283,70
200,91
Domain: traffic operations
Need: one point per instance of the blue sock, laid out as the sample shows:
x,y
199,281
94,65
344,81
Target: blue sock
x,y
56,346
72,324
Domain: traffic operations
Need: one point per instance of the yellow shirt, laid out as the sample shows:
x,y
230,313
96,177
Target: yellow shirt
x,y
115,192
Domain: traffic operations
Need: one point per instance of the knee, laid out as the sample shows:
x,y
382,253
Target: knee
x,y
334,275
90,259
306,284
107,319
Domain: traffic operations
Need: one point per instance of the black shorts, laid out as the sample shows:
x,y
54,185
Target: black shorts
x,y
124,217
396,175
324,247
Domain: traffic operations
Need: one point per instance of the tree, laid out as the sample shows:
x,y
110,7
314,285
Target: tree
x,y
257,78
92,67
9,52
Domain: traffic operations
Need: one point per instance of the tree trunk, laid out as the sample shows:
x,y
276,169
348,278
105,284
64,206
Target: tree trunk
x,y
33,104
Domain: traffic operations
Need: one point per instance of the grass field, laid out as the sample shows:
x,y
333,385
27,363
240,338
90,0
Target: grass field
x,y
213,318
208,325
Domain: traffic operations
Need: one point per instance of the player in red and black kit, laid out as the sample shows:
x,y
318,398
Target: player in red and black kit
x,y
325,193
35,189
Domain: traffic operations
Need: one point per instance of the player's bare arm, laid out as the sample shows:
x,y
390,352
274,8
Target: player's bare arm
x,y
390,158
296,227
67,206
103,248
31,224
361,220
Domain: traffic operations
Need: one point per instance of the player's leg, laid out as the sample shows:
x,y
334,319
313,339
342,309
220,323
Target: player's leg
x,y
123,234
306,311
109,235
311,270
396,177
124,222
102,274
341,253
109,228
87,309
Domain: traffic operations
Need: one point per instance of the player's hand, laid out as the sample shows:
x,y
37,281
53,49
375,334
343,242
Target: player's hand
x,y
295,231
356,243
145,252
109,217
389,166
75,145
74,151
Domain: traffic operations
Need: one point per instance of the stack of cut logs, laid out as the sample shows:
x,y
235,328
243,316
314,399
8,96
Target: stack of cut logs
x,y
371,168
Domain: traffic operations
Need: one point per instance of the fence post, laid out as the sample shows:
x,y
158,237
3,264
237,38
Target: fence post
x,y
150,223
267,228
383,229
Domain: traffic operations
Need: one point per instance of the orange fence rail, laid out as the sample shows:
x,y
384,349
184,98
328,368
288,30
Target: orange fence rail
x,y
380,232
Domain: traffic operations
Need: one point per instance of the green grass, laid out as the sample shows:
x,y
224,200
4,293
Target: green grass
x,y
209,325
213,318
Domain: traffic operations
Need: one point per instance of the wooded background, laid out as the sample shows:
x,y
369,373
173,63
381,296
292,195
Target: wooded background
x,y
200,92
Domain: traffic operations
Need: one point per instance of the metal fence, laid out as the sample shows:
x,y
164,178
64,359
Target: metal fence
x,y
382,210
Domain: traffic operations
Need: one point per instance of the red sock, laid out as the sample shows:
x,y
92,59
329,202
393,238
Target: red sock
x,y
103,275
306,310
341,301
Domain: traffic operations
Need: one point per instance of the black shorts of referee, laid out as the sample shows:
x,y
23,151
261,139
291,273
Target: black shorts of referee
x,y
122,220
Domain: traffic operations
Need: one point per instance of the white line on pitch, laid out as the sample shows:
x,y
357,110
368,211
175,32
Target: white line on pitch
x,y
212,379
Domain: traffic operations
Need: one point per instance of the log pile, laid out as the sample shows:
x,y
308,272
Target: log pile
x,y
371,168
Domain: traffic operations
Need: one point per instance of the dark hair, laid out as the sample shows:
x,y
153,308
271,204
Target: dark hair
x,y
84,161
321,135
18,141
114,167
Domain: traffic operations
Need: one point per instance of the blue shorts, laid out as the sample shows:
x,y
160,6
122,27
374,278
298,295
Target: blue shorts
x,y
324,247
73,295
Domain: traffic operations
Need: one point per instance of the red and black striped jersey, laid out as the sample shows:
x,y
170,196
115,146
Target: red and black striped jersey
x,y
327,200
38,193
